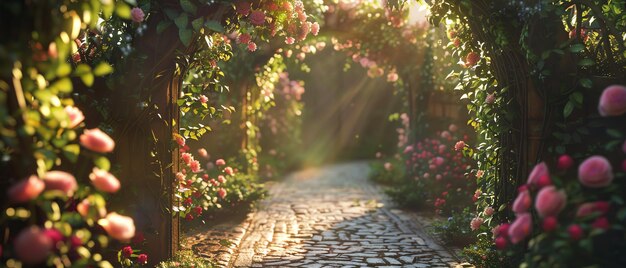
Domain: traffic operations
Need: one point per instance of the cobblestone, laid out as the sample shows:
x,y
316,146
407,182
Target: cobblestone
x,y
329,217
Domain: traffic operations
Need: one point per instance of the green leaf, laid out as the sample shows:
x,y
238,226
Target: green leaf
x,y
162,26
84,71
122,10
63,85
586,62
577,97
188,6
614,133
214,26
576,48
586,82
64,69
182,21
71,152
185,36
172,14
197,23
569,108
102,69
102,163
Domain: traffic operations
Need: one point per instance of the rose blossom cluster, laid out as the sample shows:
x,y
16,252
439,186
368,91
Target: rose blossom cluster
x,y
440,169
595,174
263,17
202,189
34,244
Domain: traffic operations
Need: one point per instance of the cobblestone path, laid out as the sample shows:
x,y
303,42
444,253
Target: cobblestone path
x,y
328,217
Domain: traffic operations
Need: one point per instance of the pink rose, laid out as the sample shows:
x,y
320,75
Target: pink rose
x,y
60,180
32,246
388,166
595,172
408,149
459,145
601,223
104,181
118,227
500,243
221,192
453,128
471,59
392,77
194,165
445,134
26,190
204,99
475,223
522,202
289,40
257,17
75,115
229,171
613,101
315,28
501,229
97,141
220,162
203,153
489,211
520,228
243,7
251,46
550,201
137,14
438,161
565,162
538,171
588,208
244,38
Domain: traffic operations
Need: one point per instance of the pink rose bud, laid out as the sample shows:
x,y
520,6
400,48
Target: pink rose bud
x,y
408,149
595,172
586,209
142,259
104,181
180,140
549,224
204,99
75,115
137,15
220,162
491,98
32,246
522,202
500,243
550,201
127,251
575,232
61,181
613,101
118,227
520,228
97,141
565,162
538,171
26,190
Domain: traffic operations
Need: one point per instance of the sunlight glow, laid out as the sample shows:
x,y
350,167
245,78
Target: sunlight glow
x,y
418,14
